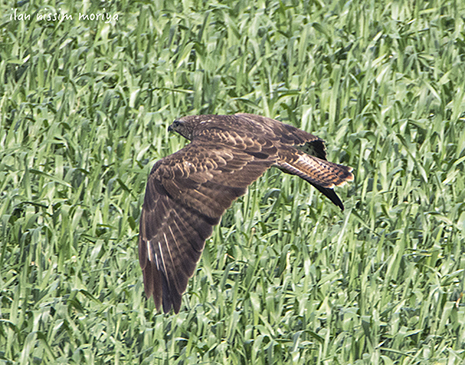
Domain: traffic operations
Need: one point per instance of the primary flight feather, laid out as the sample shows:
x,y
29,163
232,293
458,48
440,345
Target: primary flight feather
x,y
188,192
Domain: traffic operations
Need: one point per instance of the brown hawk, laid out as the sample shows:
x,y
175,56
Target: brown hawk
x,y
188,191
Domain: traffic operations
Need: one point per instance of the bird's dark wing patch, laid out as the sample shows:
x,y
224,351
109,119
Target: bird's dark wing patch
x,y
315,148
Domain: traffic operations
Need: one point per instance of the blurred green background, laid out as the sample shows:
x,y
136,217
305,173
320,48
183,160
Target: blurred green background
x,y
286,278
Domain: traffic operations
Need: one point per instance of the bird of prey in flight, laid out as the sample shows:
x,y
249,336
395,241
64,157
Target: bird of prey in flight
x,y
188,192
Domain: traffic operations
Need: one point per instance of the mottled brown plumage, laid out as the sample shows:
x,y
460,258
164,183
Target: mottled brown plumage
x,y
188,191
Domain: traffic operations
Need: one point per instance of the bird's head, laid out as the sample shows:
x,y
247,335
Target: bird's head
x,y
184,126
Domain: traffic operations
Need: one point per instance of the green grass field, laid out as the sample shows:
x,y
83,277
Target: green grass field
x,y
286,277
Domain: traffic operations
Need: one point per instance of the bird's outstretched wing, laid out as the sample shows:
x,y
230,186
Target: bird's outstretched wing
x,y
186,195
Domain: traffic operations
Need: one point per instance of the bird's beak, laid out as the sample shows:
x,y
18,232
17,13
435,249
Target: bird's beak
x,y
170,128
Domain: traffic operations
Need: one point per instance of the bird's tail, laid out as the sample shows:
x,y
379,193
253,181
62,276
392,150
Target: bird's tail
x,y
322,174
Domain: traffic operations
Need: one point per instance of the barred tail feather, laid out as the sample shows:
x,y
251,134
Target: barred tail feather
x,y
322,174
